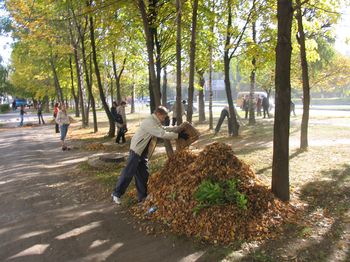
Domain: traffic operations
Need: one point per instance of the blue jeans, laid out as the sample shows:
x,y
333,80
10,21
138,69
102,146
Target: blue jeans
x,y
22,117
136,166
64,130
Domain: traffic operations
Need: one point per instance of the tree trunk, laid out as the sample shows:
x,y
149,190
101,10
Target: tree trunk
x,y
178,64
252,82
201,105
306,85
80,88
210,84
280,165
232,121
75,97
192,61
164,87
111,131
119,97
56,81
154,88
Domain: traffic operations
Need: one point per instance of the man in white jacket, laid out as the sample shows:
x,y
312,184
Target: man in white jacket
x,y
141,148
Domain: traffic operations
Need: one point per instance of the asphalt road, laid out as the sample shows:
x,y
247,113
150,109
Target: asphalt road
x,y
45,214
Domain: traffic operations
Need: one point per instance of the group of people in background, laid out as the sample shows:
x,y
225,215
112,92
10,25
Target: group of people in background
x,y
262,102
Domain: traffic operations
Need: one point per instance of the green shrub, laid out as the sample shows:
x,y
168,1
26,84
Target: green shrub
x,y
4,108
211,193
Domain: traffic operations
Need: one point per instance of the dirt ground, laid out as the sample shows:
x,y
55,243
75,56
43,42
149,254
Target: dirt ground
x,y
46,214
52,209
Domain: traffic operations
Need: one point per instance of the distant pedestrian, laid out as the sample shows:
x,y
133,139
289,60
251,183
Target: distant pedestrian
x,y
122,127
21,115
40,113
258,106
14,105
183,111
224,113
246,106
265,105
63,121
55,112
292,108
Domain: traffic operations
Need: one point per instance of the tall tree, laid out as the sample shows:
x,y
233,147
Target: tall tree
x,y
111,131
280,164
192,61
178,63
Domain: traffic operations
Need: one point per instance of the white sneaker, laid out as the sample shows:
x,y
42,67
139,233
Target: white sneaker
x,y
117,200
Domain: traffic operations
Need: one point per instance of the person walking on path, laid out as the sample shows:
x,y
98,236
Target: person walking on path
x,y
21,115
183,111
122,127
246,106
14,105
141,148
40,113
292,108
265,105
258,106
55,112
63,121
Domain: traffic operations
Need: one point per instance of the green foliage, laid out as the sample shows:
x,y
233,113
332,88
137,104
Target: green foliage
x,y
4,108
211,193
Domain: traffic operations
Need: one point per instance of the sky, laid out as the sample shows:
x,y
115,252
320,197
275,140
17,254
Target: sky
x,y
342,35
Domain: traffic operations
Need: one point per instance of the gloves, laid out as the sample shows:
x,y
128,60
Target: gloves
x,y
183,135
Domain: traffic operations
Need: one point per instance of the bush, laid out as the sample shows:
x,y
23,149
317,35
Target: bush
x,y
219,193
4,108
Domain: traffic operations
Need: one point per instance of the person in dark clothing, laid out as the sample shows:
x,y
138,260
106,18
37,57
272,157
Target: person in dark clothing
x,y
40,114
224,113
265,105
292,108
114,109
14,105
122,127
246,106
55,112
21,114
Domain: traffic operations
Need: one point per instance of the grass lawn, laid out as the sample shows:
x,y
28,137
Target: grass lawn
x,y
319,183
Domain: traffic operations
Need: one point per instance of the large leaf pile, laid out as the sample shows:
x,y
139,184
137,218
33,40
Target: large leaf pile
x,y
172,192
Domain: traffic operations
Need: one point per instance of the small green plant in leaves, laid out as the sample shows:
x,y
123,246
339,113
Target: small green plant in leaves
x,y
211,193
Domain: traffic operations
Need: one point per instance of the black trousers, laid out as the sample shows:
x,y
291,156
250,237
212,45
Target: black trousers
x,y
120,135
136,166
223,115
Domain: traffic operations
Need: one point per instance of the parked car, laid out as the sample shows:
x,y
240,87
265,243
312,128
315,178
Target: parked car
x,y
21,102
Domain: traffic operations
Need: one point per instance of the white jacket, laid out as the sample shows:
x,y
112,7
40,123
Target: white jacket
x,y
62,118
150,127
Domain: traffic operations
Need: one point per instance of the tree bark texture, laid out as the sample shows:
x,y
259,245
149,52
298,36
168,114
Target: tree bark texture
x,y
154,88
305,76
111,131
75,97
192,61
178,64
232,120
280,165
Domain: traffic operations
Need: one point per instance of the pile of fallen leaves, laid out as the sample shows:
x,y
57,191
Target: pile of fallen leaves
x,y
171,192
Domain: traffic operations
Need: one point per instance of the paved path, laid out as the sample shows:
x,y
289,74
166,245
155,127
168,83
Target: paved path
x,y
44,216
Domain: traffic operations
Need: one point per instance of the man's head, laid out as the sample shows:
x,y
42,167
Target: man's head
x,y
123,103
161,112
